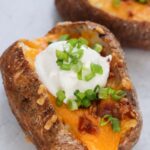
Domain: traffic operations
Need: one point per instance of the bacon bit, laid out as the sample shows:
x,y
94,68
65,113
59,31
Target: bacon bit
x,y
50,122
85,125
130,14
109,107
127,110
126,83
93,110
111,75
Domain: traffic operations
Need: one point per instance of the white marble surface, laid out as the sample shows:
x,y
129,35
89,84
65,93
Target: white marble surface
x,y
33,18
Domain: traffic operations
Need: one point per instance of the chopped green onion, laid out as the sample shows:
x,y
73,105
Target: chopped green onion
x,y
110,119
78,42
60,97
59,62
78,54
64,37
85,103
77,67
89,76
73,42
79,95
142,1
72,104
105,120
62,55
115,124
79,75
103,93
97,89
84,99
106,93
98,48
116,3
90,94
118,94
95,68
65,66
82,41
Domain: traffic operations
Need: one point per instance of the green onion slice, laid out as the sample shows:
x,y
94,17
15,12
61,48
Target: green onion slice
x,y
62,55
98,48
72,104
116,3
95,68
89,76
115,122
64,37
60,97
106,93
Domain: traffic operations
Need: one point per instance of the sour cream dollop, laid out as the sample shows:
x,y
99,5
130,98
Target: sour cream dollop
x,y
56,79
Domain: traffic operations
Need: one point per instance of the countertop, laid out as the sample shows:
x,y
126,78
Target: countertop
x,y
34,18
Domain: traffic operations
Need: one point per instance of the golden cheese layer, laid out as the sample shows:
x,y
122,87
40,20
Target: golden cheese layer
x,y
128,10
104,138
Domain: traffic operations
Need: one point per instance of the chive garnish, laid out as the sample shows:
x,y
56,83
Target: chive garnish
x,y
65,67
72,42
106,93
72,104
64,37
115,122
82,41
98,48
62,55
116,3
84,99
95,68
89,76
142,1
60,97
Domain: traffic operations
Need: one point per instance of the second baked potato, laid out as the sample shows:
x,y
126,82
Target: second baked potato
x,y
129,20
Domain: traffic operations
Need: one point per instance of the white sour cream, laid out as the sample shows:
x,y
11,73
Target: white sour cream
x,y
55,79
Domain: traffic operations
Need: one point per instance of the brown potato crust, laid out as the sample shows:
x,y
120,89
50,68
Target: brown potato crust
x,y
130,33
21,85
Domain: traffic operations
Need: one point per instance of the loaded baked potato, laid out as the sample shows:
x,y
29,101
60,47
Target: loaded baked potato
x,y
129,20
70,89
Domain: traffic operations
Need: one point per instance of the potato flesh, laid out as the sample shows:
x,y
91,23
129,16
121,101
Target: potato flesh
x,y
104,138
128,10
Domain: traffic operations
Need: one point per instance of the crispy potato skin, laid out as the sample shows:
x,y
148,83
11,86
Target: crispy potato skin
x,y
21,85
130,33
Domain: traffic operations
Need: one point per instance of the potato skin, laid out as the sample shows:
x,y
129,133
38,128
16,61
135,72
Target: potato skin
x,y
130,33
21,85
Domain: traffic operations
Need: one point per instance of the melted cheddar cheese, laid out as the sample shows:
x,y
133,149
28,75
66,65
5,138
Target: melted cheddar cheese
x,y
128,10
104,138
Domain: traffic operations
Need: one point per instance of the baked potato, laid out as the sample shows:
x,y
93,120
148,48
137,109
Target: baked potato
x,y
127,19
111,122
